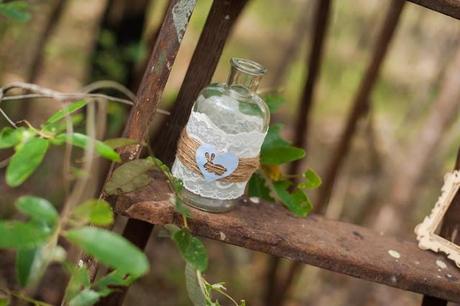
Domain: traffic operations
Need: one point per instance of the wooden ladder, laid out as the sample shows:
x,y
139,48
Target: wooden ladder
x,y
332,245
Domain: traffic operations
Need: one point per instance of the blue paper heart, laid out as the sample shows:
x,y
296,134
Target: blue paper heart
x,y
215,165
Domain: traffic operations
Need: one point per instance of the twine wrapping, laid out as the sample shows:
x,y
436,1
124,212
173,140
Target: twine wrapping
x,y
186,150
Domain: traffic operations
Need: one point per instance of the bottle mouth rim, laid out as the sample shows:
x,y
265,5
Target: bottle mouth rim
x,y
248,66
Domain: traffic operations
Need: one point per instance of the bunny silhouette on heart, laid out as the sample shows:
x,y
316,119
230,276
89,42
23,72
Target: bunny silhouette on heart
x,y
212,167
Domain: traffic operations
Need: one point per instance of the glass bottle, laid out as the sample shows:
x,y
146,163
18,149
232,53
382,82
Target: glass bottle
x,y
232,118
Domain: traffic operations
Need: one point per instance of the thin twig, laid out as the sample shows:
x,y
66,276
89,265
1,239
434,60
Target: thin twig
x,y
68,96
80,185
42,92
67,156
109,84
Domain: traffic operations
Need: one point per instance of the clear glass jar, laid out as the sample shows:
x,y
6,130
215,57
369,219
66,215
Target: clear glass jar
x,y
232,118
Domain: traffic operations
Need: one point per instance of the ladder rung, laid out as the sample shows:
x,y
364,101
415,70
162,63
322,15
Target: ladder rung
x,y
447,7
333,245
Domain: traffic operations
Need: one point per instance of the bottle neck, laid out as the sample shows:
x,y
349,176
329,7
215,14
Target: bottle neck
x,y
240,79
245,74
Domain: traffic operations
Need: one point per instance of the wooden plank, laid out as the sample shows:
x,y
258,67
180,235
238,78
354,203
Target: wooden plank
x,y
447,7
328,244
220,21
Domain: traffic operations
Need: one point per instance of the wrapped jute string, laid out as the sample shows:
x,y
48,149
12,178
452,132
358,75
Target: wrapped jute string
x,y
186,150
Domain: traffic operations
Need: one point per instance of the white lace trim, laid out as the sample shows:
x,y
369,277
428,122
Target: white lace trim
x,y
244,144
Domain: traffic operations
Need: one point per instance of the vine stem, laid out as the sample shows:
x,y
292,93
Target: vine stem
x,y
27,299
203,282
227,296
69,96
41,133
184,218
67,157
80,185
270,186
4,162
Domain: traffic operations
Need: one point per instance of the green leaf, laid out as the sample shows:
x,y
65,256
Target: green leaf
x,y
171,228
4,300
10,137
65,111
177,183
79,279
81,141
257,188
37,209
275,150
115,278
312,180
296,201
115,143
26,159
24,261
31,263
110,249
61,126
180,206
273,102
16,10
14,234
97,212
86,297
130,177
194,291
192,249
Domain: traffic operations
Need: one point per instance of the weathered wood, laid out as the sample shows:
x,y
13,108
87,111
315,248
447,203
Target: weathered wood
x,y
332,245
157,72
164,52
361,102
448,7
220,21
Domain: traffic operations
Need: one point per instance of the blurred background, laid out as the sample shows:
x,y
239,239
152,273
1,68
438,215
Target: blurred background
x,y
390,179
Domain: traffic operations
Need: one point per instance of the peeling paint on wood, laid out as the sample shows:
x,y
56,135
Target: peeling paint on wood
x,y
181,14
441,264
394,254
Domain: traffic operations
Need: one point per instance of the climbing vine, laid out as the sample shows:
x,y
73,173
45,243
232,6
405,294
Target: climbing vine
x,y
36,240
